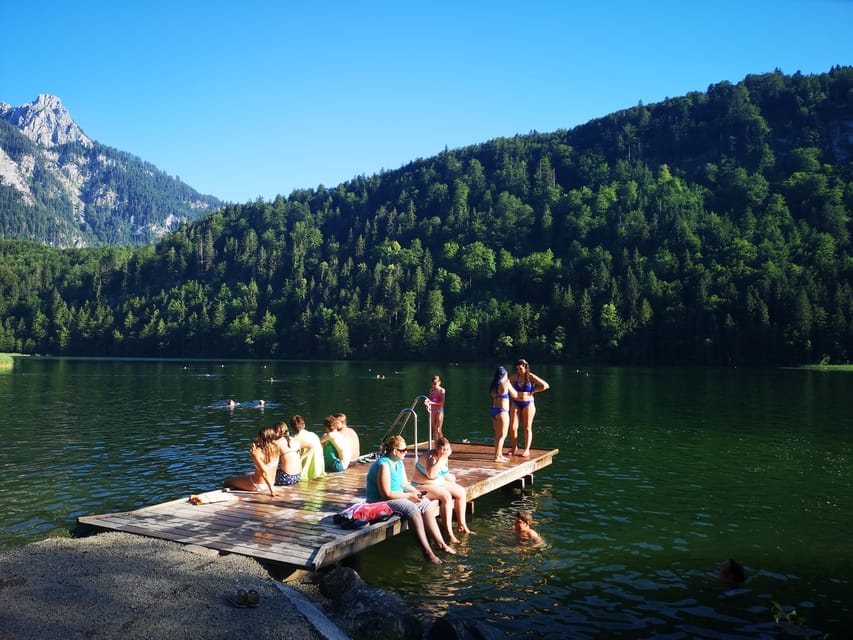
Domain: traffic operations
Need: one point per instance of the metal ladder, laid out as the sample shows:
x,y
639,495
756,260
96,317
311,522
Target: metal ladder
x,y
402,419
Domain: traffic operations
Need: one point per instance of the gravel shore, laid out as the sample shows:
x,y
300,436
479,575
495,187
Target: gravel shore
x,y
120,585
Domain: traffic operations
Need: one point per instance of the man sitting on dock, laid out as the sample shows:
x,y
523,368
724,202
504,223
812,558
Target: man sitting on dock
x,y
350,434
337,450
310,447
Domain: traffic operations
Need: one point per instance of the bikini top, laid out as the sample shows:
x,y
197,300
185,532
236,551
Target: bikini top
x,y
527,387
422,469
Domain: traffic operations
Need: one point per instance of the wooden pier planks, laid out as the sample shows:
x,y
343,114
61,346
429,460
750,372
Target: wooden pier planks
x,y
297,528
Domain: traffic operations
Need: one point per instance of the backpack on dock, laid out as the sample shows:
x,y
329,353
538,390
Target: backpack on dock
x,y
362,514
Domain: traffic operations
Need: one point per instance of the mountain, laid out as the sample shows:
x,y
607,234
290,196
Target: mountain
x,y
61,188
714,228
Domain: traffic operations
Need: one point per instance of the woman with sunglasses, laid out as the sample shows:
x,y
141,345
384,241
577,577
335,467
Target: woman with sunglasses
x,y
523,408
387,481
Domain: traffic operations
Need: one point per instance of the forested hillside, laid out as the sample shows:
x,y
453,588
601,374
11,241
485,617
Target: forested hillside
x,y
712,228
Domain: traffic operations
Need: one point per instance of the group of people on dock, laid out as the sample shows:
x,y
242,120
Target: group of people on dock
x,y
285,456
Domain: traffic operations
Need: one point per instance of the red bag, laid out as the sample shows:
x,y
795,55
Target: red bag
x,y
372,511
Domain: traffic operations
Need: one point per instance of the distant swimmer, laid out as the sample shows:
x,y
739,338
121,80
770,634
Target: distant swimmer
x,y
231,403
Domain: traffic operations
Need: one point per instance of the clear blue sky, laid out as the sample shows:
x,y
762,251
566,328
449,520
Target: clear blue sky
x,y
251,99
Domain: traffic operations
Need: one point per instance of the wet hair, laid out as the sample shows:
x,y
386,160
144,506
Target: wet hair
x,y
525,516
330,423
392,443
521,362
500,372
732,571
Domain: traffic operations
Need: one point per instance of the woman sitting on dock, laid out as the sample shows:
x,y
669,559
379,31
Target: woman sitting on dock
x,y
432,475
387,481
290,459
265,455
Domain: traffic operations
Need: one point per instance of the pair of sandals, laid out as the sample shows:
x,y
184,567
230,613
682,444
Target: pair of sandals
x,y
242,598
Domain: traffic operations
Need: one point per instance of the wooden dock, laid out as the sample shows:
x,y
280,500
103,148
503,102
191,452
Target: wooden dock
x,y
297,528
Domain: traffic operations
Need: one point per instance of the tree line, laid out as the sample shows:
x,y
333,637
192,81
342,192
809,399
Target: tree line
x,y
712,228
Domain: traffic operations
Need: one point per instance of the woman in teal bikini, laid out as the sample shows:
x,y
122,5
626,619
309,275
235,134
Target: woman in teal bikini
x,y
433,476
501,391
523,408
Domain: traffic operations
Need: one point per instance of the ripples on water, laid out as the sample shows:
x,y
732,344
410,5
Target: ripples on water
x,y
654,486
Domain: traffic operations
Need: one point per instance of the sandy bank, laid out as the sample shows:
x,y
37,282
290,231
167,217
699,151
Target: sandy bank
x,y
119,585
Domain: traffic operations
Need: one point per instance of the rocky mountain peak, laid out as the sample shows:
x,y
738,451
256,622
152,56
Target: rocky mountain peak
x,y
45,121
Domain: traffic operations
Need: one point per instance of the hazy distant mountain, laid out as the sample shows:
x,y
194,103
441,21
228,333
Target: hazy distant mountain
x,y
59,187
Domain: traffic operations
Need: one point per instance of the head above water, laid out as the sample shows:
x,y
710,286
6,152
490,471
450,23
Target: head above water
x,y
524,516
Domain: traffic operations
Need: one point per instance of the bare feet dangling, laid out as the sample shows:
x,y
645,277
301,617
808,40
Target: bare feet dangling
x,y
448,549
465,530
434,559
453,539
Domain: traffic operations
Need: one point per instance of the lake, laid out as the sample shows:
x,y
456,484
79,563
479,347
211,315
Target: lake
x,y
663,473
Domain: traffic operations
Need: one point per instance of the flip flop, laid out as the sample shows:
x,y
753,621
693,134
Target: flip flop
x,y
240,598
253,598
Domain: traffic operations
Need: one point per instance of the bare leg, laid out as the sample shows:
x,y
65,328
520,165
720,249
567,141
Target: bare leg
x,y
416,522
513,429
241,483
437,420
431,525
446,502
529,412
460,500
501,425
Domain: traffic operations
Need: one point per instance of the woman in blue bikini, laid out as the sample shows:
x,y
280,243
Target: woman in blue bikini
x,y
501,391
523,408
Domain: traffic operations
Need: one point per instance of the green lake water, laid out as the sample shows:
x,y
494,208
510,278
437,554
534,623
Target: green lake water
x,y
662,474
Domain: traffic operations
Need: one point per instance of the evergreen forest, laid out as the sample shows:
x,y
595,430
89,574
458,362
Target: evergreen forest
x,y
708,229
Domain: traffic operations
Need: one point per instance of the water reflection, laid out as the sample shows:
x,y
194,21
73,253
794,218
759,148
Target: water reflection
x,y
662,474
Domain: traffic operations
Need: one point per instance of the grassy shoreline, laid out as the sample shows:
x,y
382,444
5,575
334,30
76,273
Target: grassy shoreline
x,y
827,367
